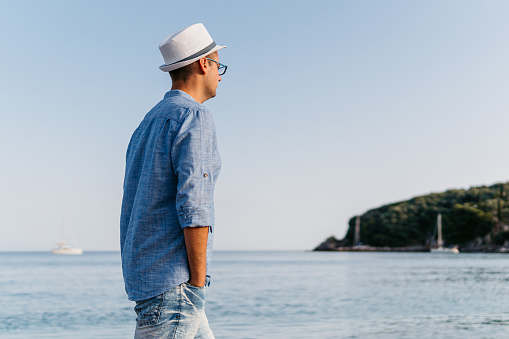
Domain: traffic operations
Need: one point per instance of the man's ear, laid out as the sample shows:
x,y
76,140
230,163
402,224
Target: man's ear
x,y
203,65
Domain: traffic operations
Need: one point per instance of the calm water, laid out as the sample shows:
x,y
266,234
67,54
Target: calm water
x,y
271,295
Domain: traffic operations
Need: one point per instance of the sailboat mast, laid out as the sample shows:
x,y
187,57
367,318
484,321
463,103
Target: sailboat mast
x,y
439,229
65,228
357,239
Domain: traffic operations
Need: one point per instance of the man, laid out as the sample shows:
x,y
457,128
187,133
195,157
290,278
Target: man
x,y
167,220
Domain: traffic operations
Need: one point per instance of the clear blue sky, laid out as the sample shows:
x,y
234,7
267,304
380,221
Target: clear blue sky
x,y
328,109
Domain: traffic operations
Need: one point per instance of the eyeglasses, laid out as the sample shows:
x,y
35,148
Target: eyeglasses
x,y
221,69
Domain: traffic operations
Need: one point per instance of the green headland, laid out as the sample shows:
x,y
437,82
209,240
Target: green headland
x,y
474,220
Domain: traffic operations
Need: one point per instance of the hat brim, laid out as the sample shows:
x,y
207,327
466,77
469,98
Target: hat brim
x,y
172,67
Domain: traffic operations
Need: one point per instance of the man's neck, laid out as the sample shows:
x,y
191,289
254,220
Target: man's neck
x,y
191,88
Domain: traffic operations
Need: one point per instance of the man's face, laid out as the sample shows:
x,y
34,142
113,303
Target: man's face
x,y
212,77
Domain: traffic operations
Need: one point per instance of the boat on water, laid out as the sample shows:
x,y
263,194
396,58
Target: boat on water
x,y
64,249
440,241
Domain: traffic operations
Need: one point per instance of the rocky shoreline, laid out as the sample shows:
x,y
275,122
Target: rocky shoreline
x,y
479,245
379,249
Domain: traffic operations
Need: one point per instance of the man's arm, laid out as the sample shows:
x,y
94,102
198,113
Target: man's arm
x,y
191,156
196,245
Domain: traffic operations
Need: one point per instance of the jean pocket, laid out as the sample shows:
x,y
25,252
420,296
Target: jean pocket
x,y
148,311
194,287
193,296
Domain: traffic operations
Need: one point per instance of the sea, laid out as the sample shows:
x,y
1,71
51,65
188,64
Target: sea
x,y
280,294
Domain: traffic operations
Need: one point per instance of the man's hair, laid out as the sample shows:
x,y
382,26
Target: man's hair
x,y
184,73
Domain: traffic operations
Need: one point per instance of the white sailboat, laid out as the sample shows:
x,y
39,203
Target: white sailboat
x,y
440,241
65,249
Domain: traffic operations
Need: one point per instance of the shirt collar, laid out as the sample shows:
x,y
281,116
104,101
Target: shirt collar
x,y
178,92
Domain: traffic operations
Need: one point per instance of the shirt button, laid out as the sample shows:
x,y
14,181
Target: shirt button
x,y
205,175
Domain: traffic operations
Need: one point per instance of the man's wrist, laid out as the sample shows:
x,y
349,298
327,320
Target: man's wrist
x,y
195,283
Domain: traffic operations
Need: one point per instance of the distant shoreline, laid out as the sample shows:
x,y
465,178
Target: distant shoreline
x,y
375,249
495,249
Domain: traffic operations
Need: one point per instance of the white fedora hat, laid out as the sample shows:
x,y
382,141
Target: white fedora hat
x,y
186,46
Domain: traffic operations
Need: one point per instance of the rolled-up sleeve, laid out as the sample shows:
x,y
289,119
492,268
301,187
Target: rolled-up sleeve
x,y
191,155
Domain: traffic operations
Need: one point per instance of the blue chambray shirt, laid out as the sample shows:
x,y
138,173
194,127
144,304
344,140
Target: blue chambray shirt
x,y
172,165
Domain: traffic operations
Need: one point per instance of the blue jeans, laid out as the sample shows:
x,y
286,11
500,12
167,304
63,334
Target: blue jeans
x,y
176,314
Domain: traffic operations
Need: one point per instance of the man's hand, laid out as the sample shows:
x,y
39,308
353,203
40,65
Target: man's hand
x,y
196,245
